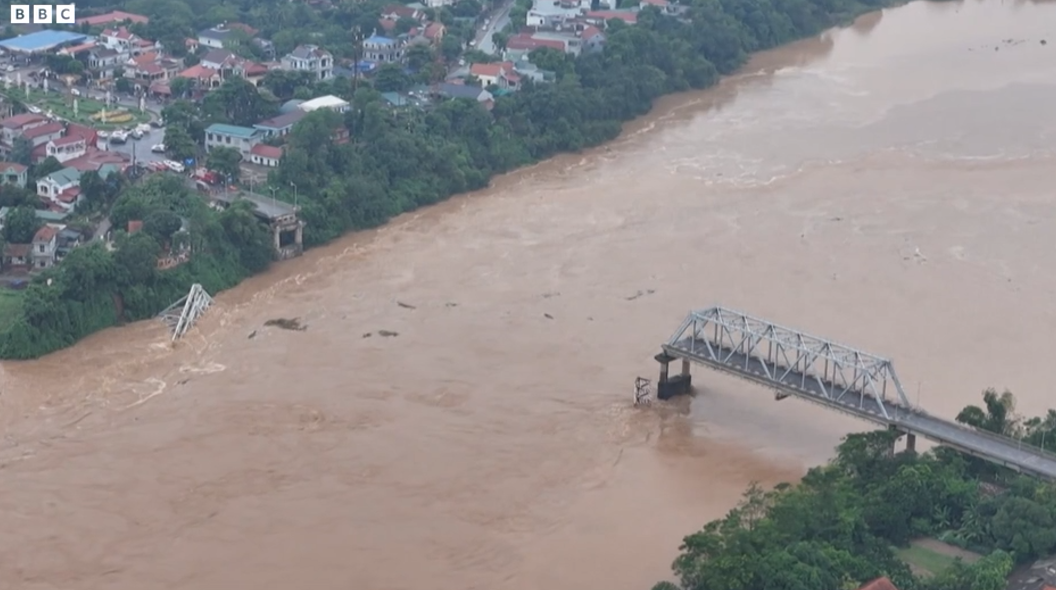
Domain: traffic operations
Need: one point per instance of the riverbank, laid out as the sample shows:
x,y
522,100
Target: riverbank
x,y
407,168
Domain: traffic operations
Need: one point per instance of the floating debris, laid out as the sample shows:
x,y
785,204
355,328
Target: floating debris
x,y
405,305
449,304
551,294
368,335
640,294
252,335
287,324
548,316
387,333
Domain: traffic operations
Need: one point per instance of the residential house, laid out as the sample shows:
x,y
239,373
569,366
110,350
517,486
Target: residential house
x,y
61,188
232,136
598,18
13,127
66,241
434,33
67,147
325,102
216,36
151,67
529,71
103,61
500,74
879,584
520,45
265,155
42,214
281,125
551,14
103,162
42,134
395,12
228,65
310,58
119,39
13,173
16,256
453,91
45,242
383,49
204,78
117,16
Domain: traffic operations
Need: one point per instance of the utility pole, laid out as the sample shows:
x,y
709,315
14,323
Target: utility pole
x,y
294,196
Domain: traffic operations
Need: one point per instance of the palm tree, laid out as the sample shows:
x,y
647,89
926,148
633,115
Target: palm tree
x,y
998,417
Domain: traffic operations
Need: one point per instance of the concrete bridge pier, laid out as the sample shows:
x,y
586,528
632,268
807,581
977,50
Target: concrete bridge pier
x,y
667,386
911,441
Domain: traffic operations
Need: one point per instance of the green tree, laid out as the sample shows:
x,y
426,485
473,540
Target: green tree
x,y
21,225
225,161
178,143
22,151
391,78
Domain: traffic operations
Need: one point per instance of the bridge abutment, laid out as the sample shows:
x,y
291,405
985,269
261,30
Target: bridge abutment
x,y
667,386
911,443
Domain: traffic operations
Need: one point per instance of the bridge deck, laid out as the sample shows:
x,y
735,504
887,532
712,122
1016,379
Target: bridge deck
x,y
999,449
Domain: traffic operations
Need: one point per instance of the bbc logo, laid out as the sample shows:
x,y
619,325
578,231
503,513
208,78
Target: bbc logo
x,y
43,14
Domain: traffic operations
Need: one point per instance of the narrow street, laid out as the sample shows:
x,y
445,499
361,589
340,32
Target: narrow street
x,y
499,19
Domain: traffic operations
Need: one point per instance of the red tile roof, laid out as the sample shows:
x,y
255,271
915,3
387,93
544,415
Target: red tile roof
x,y
434,31
45,234
627,17
45,129
119,33
69,196
134,225
112,17
523,41
20,121
591,31
197,72
17,250
879,584
13,166
266,151
67,140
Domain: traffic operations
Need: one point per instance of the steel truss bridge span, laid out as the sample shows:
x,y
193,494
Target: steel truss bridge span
x,y
835,376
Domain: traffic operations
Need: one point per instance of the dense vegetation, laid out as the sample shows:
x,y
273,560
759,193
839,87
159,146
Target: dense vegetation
x,y
838,528
94,288
400,160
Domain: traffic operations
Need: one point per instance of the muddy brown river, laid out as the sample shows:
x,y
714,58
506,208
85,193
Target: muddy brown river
x,y
889,185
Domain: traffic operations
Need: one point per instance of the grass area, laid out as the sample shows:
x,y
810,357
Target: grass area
x,y
931,557
61,105
9,306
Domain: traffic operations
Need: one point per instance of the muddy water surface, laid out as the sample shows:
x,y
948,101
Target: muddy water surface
x,y
888,185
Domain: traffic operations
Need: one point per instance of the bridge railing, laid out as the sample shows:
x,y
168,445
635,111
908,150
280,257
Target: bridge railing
x,y
1004,439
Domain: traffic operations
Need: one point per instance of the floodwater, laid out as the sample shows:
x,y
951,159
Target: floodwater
x,y
888,185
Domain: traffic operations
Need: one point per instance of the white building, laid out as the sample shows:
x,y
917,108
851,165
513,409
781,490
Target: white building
x,y
324,102
309,58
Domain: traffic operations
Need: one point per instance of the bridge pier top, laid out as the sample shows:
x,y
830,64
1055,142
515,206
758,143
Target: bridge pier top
x,y
668,387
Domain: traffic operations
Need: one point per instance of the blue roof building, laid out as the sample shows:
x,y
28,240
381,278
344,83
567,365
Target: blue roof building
x,y
232,136
42,41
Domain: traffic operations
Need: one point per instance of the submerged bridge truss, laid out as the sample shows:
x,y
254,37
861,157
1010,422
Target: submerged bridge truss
x,y
833,375
182,315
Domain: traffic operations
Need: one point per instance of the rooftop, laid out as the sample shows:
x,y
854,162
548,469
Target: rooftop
x,y
45,129
41,41
879,584
379,40
266,151
20,121
282,121
65,176
231,130
323,102
112,17
45,234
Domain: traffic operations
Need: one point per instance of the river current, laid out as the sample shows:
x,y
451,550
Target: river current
x,y
888,185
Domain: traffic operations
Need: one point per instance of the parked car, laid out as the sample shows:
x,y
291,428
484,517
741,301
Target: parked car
x,y
158,148
174,166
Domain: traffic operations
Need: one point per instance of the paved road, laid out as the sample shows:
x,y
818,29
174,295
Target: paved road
x,y
141,147
498,22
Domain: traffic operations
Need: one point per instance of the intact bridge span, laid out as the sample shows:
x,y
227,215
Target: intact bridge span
x,y
832,375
